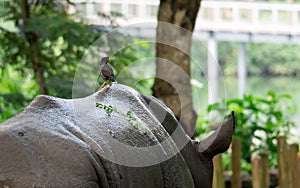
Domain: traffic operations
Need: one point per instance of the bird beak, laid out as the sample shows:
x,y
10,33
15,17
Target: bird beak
x,y
110,59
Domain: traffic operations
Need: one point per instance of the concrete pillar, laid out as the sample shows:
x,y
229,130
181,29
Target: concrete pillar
x,y
275,16
242,69
142,10
255,16
90,11
107,7
212,69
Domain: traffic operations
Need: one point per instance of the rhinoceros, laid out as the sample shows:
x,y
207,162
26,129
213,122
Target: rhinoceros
x,y
116,137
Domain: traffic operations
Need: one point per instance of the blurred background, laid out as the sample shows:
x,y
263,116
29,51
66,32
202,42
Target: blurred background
x,y
255,43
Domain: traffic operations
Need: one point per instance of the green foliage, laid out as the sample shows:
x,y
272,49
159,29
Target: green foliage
x,y
227,56
129,116
108,109
129,66
61,42
263,59
259,121
111,17
273,59
227,160
202,129
15,93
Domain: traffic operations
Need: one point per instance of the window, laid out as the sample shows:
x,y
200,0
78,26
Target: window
x,y
81,9
98,7
245,15
265,16
208,14
151,10
132,10
284,17
115,7
226,14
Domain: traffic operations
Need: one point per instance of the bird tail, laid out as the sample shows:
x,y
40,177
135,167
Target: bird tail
x,y
112,79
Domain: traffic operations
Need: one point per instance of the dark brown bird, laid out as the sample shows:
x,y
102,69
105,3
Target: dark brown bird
x,y
106,71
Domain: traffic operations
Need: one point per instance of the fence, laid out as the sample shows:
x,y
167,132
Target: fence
x,y
288,167
225,16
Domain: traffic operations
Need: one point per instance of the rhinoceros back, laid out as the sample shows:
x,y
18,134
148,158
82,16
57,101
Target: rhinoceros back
x,y
108,139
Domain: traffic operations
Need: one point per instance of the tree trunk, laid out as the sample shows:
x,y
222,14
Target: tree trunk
x,y
172,83
34,51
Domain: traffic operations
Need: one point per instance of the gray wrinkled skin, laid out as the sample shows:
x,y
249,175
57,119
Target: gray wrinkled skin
x,y
67,143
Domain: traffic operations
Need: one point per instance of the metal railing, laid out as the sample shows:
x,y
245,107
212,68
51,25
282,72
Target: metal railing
x,y
249,17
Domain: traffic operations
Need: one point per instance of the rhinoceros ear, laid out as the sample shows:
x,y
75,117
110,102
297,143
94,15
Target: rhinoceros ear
x,y
219,141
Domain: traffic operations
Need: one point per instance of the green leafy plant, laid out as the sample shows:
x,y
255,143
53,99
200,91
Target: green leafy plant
x,y
129,115
15,92
259,121
108,109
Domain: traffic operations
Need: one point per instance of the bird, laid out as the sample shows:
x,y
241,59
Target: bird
x,y
106,72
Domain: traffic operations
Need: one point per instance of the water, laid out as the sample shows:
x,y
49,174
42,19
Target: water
x,y
257,86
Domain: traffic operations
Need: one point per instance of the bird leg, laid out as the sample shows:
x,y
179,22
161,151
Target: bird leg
x,y
102,86
104,83
112,83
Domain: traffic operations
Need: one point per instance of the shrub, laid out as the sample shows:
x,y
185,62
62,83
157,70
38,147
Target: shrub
x,y
259,122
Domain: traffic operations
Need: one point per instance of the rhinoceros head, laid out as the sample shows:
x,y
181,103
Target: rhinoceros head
x,y
116,137
198,155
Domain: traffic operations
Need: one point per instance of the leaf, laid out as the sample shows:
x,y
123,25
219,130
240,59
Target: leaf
x,y
235,101
262,100
287,96
271,94
213,107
